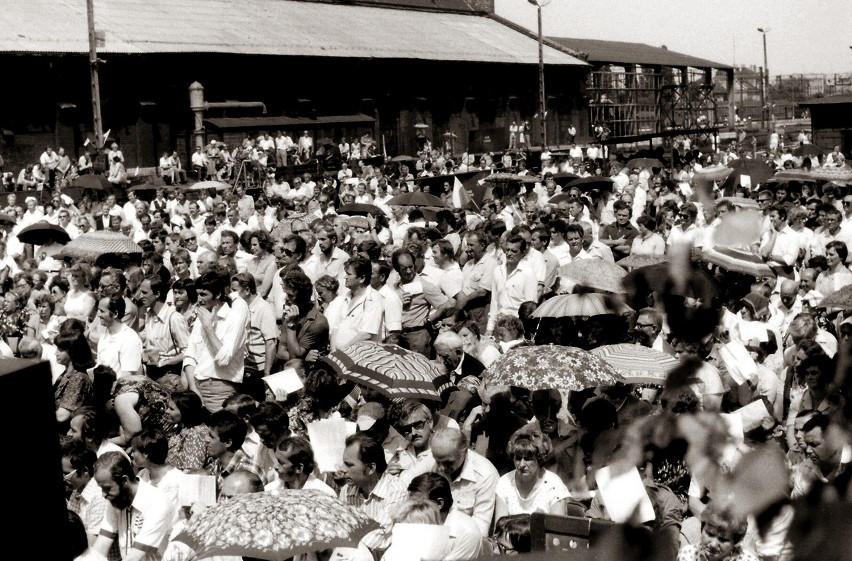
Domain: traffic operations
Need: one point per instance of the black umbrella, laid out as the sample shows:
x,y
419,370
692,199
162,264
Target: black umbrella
x,y
91,181
563,178
809,150
645,163
43,233
561,198
592,182
359,209
417,199
6,219
757,171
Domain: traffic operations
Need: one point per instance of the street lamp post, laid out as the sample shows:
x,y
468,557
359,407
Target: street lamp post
x,y
767,100
541,99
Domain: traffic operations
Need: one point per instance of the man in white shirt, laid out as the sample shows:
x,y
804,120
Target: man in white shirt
x,y
780,245
358,314
515,282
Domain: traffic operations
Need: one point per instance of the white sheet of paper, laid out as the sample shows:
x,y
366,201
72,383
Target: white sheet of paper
x,y
623,494
753,330
197,488
738,361
284,383
745,180
735,425
412,288
752,415
328,439
420,542
685,189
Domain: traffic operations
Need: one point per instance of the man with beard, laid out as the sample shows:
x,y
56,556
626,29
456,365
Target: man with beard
x,y
139,515
473,479
647,331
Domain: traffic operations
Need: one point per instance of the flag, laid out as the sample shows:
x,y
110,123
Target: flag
x,y
460,196
106,134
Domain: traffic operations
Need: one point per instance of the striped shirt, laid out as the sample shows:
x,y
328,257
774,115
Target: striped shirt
x,y
379,505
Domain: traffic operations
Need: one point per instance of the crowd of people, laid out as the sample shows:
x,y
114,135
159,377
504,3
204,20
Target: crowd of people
x,y
158,367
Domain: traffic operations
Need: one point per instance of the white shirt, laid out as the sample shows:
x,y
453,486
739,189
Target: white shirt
x,y
121,351
231,324
785,251
510,290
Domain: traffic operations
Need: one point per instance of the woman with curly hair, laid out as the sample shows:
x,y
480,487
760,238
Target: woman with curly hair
x,y
721,538
530,487
188,447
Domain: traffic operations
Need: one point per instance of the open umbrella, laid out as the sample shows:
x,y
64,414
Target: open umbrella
x,y
390,369
843,174
592,182
359,209
91,245
91,181
42,233
204,185
594,273
551,367
563,178
421,126
637,364
417,199
578,305
560,198
757,171
636,261
794,175
839,299
737,260
275,526
505,177
808,150
6,219
644,163
403,158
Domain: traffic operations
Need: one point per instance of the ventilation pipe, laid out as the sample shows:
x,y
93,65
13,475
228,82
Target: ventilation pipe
x,y
198,106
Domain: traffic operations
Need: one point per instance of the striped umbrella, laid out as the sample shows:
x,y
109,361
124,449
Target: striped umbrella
x,y
843,175
390,369
637,364
91,245
737,260
551,367
579,305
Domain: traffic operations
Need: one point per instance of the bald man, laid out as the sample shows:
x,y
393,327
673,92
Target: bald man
x,y
784,306
205,260
473,479
239,483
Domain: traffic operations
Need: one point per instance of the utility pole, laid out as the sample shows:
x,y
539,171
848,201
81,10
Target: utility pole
x,y
767,100
94,62
541,99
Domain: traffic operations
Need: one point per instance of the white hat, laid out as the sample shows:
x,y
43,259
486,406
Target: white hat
x,y
66,199
28,199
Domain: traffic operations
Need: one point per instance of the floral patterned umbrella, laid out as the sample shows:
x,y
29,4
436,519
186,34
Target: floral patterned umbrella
x,y
275,526
389,369
551,367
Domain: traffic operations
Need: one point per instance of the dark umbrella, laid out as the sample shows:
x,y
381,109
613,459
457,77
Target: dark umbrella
x,y
6,219
561,198
808,150
563,178
359,209
757,171
91,181
43,233
593,182
417,199
644,163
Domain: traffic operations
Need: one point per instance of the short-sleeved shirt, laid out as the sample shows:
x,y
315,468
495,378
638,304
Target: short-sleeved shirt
x,y
425,297
121,351
479,275
475,490
354,315
614,232
313,331
144,526
549,491
262,328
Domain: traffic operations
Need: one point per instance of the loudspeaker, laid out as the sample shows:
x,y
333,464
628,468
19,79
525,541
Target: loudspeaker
x,y
31,466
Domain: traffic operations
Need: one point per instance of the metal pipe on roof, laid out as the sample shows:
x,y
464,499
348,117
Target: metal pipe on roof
x,y
235,104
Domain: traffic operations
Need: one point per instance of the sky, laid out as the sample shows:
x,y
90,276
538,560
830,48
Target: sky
x,y
805,36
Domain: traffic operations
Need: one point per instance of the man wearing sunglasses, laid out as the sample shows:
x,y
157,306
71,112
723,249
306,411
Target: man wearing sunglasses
x,y
415,425
686,231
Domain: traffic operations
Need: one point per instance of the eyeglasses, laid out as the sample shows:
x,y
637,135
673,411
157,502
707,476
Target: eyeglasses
x,y
287,252
417,425
683,215
764,200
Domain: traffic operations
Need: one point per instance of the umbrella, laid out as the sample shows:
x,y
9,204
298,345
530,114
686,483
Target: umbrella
x,y
657,278
757,173
637,364
843,174
275,526
594,273
359,209
418,199
563,178
788,175
807,150
737,260
635,261
450,135
551,367
592,182
421,126
713,173
578,305
839,299
403,158
644,163
91,245
43,233
561,198
389,369
501,177
204,185
91,181
6,219
742,203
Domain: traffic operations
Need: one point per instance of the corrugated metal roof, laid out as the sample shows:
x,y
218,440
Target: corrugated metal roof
x,y
634,53
225,123
265,27
828,100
